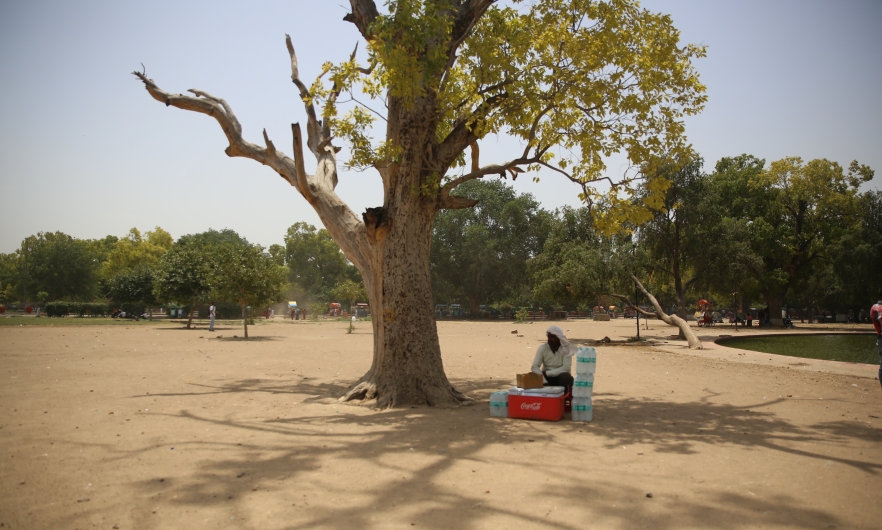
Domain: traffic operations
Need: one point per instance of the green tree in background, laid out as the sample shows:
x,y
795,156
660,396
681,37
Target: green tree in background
x,y
64,267
677,239
349,291
316,264
246,275
132,289
133,251
182,274
795,212
479,255
578,262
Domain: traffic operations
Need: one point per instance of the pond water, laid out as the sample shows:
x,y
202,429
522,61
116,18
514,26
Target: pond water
x,y
849,348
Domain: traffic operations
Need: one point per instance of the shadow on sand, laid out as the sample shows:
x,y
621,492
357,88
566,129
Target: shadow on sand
x,y
381,438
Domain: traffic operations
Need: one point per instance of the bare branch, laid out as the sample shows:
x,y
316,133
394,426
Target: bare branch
x,y
454,202
623,298
313,130
345,227
221,102
499,169
476,153
220,111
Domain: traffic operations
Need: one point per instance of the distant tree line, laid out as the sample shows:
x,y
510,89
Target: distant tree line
x,y
788,235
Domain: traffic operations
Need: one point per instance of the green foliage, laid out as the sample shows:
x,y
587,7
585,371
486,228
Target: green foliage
x,y
315,309
349,291
521,315
182,273
62,266
316,264
593,78
578,262
135,251
62,309
133,288
246,275
795,212
679,240
479,255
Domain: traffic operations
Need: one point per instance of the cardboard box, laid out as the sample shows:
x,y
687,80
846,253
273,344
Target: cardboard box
x,y
536,408
530,380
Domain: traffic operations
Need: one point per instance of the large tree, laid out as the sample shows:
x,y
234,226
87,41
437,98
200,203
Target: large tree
x,y
592,78
677,238
795,212
247,275
62,266
182,274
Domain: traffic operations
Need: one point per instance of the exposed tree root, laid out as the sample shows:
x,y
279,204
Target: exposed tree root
x,y
366,390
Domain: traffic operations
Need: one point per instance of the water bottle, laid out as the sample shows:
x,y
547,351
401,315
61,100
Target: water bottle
x,y
499,404
582,409
583,385
586,360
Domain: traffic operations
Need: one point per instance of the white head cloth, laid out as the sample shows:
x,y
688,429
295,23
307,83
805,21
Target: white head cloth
x,y
564,343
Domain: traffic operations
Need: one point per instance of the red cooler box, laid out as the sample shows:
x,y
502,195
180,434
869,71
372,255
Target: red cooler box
x,y
529,405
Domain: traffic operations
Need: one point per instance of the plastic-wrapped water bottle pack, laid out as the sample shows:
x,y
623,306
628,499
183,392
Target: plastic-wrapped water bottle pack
x,y
583,385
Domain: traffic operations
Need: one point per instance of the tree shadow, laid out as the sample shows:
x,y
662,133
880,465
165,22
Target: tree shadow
x,y
444,438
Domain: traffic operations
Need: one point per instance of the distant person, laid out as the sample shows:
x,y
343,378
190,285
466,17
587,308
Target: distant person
x,y
749,320
212,314
554,360
876,317
297,313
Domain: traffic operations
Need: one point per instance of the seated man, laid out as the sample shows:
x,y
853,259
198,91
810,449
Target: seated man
x,y
554,360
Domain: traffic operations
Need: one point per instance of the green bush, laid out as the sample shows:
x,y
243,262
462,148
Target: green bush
x,y
57,309
62,309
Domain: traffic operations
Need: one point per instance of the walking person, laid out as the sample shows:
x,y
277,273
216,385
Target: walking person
x,y
212,313
876,317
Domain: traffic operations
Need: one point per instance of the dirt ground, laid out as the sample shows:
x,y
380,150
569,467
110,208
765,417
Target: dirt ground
x,y
147,427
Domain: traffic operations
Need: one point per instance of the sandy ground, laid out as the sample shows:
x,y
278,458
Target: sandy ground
x,y
158,427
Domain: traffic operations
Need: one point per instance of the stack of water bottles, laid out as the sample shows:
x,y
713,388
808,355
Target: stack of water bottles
x,y
499,404
583,386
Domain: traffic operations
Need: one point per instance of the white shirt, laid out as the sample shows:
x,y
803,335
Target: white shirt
x,y
555,363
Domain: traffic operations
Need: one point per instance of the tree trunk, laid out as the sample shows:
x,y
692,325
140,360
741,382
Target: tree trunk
x,y
474,308
245,320
407,366
190,314
775,304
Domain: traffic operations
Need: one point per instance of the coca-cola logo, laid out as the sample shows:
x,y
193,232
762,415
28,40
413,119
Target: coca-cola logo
x,y
531,406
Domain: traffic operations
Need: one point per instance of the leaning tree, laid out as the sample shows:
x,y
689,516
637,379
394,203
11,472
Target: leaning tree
x,y
578,78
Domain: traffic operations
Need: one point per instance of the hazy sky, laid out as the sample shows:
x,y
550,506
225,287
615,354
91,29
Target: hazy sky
x,y
85,150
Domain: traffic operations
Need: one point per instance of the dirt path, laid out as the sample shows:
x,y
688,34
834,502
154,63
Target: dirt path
x,y
153,427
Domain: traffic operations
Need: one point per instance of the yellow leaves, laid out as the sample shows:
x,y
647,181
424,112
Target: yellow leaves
x,y
133,250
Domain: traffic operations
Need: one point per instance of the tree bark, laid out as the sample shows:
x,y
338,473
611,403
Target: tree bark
x,y
671,320
190,314
245,320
